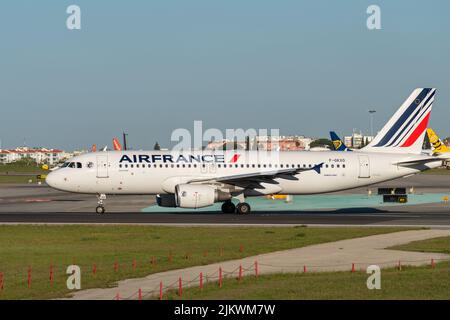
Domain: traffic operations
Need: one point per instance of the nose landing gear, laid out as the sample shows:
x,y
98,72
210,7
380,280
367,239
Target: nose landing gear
x,y
100,208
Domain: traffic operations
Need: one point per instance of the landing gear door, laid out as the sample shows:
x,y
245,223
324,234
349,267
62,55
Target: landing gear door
x,y
102,166
364,167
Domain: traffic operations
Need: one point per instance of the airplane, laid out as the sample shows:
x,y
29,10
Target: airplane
x,y
195,179
116,145
436,143
338,144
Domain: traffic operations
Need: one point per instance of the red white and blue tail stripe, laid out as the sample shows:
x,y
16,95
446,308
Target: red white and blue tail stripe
x,y
405,131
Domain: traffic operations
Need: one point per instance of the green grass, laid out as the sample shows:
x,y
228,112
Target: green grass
x,y
439,245
437,171
21,166
409,283
40,246
18,179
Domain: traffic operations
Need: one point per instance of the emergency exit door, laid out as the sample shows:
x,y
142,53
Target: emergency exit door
x,y
364,167
102,166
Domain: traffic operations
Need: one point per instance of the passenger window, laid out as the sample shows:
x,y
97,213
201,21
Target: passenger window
x,y
120,166
332,165
343,166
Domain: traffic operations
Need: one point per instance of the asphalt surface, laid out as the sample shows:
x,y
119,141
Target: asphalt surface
x,y
41,204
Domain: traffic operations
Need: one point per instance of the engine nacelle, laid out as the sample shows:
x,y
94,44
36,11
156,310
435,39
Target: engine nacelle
x,y
166,200
198,196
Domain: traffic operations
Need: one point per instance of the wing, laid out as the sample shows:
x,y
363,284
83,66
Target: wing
x,y
253,180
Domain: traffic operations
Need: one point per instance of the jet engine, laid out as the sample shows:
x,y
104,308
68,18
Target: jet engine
x,y
198,196
192,196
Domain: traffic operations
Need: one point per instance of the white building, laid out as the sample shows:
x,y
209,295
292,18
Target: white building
x,y
41,155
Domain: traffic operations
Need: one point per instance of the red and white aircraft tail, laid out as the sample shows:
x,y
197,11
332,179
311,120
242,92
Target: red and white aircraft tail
x,y
405,131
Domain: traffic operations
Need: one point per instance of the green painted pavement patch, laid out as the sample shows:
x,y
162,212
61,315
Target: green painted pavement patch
x,y
313,202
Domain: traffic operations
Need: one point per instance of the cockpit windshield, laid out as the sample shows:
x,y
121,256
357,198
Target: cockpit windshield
x,y
77,165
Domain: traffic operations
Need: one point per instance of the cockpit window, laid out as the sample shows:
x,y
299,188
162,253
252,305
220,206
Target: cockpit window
x,y
65,164
72,165
79,165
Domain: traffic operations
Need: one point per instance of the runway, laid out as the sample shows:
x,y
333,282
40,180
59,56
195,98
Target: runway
x,y
40,204
365,217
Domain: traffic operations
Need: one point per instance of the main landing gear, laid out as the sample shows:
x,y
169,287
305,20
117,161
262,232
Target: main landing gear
x,y
100,208
241,208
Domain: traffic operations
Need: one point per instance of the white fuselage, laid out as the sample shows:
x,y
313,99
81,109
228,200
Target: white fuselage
x,y
158,172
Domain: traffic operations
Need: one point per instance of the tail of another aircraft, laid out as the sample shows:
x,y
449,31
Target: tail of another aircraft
x,y
116,145
405,131
436,143
338,144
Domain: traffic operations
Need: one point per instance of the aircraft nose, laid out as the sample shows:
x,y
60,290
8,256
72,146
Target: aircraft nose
x,y
52,180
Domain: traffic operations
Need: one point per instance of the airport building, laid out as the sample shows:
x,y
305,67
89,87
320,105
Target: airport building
x,y
269,143
39,155
357,140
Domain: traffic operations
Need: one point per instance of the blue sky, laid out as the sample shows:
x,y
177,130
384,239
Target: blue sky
x,y
149,67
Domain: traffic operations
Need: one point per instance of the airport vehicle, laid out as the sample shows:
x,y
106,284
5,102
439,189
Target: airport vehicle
x,y
194,179
338,144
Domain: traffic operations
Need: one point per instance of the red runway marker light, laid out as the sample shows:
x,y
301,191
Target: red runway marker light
x,y
240,272
51,275
256,269
116,266
29,277
140,294
304,268
160,290
1,281
94,269
220,277
353,267
433,263
201,280
180,287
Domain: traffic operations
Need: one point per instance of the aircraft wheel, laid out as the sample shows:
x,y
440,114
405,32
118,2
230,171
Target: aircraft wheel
x,y
100,209
243,208
228,207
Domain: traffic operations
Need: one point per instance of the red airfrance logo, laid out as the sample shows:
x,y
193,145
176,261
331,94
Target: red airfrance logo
x,y
235,158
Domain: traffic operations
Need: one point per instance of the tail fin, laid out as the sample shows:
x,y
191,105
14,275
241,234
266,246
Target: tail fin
x,y
436,143
338,144
405,131
94,148
116,145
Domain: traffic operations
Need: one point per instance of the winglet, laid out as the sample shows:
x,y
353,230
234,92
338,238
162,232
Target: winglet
x,y
317,167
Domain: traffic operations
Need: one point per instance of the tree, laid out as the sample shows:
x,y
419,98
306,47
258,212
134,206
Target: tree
x,y
426,143
322,142
157,146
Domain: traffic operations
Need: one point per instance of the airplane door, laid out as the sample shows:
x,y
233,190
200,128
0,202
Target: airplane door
x,y
102,166
364,167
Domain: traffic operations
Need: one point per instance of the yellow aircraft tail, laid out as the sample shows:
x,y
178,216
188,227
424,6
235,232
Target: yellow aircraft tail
x,y
436,143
